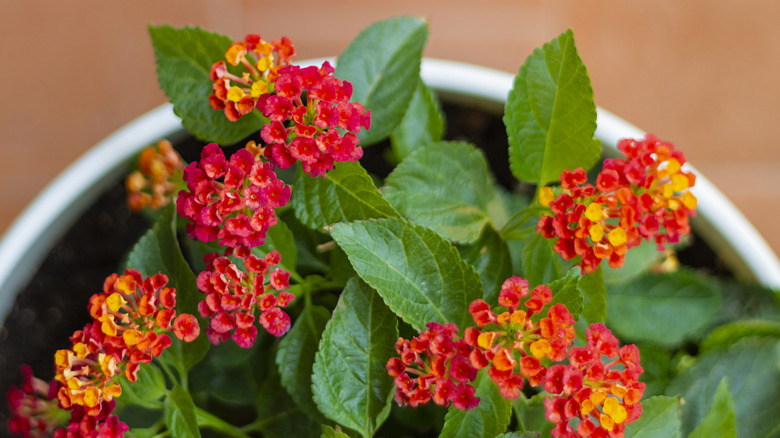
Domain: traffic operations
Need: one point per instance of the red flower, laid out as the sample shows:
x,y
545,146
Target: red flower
x,y
232,200
234,294
34,408
441,365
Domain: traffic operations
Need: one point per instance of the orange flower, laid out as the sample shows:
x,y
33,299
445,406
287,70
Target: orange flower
x,y
644,196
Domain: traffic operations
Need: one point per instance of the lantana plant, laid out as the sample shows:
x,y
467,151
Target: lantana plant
x,y
286,290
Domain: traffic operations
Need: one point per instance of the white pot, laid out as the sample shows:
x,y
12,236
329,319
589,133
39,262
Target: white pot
x,y
54,210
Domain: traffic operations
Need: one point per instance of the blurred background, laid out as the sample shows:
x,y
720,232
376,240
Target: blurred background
x,y
702,74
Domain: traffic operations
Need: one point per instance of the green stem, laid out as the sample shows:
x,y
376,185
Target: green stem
x,y
171,375
296,276
207,419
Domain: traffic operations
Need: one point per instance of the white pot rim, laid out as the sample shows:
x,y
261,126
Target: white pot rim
x,y
44,221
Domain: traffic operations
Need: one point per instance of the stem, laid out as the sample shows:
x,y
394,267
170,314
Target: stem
x,y
258,424
297,277
171,375
209,420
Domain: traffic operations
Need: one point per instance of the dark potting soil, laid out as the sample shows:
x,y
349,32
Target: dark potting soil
x,y
54,303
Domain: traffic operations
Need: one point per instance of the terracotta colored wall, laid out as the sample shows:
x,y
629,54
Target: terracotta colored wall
x,y
699,73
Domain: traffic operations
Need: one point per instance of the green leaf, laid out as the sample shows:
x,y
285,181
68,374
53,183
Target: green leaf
x,y
329,432
530,414
229,383
540,263
278,416
419,274
657,363
423,123
502,206
725,336
751,368
666,309
523,223
445,187
383,65
346,193
180,414
295,356
147,390
550,116
637,261
350,382
148,432
488,419
158,251
564,291
491,259
184,59
660,418
595,294
719,420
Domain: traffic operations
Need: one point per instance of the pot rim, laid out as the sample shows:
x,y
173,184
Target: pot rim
x,y
31,235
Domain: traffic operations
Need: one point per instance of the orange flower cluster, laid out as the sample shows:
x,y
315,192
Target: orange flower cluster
x,y
595,389
130,320
154,183
237,96
644,196
597,394
513,343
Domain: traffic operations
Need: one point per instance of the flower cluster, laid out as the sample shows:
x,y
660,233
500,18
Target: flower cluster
x,y
130,320
594,390
644,196
233,295
238,96
153,184
231,200
313,138
103,425
307,107
513,343
597,394
234,201
34,409
441,366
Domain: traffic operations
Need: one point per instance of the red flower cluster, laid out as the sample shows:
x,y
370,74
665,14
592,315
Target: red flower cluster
x,y
34,409
231,200
512,343
441,366
232,296
599,389
103,425
644,196
313,138
128,317
237,96
154,183
304,127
